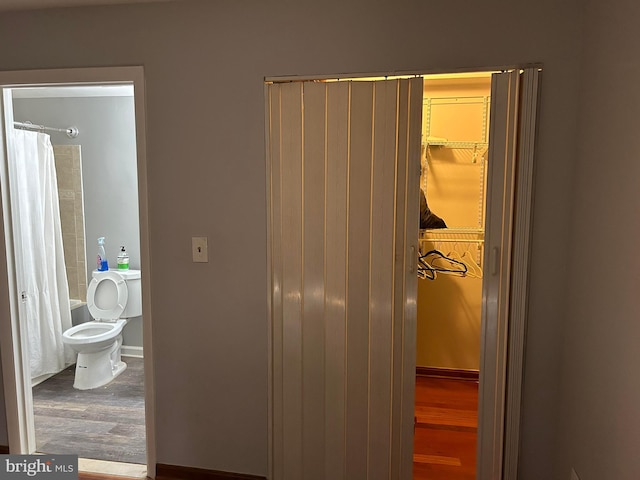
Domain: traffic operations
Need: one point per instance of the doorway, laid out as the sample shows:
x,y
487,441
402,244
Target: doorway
x,y
454,156
94,120
342,261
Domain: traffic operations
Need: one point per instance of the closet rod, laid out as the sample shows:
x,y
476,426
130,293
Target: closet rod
x,y
71,132
452,231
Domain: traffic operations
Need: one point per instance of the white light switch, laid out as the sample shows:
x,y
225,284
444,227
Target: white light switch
x,y
199,249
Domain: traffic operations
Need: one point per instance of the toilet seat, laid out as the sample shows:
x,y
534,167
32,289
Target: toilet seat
x,y
117,306
100,334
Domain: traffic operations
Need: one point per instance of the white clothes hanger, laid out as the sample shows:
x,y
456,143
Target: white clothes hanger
x,y
469,261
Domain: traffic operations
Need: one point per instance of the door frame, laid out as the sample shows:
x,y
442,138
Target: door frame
x,y
16,382
499,414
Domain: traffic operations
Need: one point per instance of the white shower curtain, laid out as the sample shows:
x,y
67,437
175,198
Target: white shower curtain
x,y
39,252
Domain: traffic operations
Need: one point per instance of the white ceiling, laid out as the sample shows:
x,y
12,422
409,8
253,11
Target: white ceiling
x,y
31,4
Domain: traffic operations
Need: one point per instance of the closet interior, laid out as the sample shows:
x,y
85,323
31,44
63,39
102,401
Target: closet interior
x,y
455,134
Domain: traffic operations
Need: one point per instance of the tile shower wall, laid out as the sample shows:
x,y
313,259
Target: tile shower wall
x,y
69,173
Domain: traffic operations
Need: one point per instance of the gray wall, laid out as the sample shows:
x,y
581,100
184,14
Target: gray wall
x,y
109,172
205,63
600,431
109,169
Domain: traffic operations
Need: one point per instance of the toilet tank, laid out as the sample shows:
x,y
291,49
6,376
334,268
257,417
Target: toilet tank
x,y
134,291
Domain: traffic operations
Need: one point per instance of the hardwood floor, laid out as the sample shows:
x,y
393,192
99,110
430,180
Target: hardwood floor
x,y
105,423
446,429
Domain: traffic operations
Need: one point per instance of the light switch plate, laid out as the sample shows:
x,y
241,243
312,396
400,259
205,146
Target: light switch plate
x,y
199,249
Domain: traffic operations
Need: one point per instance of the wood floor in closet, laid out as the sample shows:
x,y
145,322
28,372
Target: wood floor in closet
x,y
446,429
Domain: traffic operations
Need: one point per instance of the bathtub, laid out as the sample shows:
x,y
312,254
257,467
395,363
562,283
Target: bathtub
x,y
75,303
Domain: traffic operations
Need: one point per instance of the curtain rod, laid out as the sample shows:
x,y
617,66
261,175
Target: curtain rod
x,y
72,132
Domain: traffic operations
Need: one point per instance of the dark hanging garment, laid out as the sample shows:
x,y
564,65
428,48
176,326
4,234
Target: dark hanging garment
x,y
428,219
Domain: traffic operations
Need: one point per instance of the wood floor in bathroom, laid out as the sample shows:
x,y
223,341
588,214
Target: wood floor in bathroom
x,y
105,423
446,429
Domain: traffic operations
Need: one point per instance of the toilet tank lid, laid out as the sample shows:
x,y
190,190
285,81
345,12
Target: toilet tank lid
x,y
126,274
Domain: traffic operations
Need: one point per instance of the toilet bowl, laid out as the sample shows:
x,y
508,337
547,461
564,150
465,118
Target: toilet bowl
x,y
112,297
92,337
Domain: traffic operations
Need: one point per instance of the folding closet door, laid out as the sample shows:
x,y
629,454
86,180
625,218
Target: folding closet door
x,y
514,97
343,169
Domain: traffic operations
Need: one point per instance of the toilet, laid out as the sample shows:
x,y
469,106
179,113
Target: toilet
x,y
113,296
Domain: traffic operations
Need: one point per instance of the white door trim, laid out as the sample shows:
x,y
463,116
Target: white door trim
x,y
17,395
13,355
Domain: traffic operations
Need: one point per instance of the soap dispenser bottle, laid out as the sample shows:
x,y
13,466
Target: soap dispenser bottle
x,y
102,264
123,259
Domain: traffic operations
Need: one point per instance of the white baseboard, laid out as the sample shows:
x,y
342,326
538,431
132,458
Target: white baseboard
x,y
131,351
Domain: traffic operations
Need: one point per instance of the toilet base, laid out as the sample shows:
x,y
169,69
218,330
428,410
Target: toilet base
x,y
97,369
